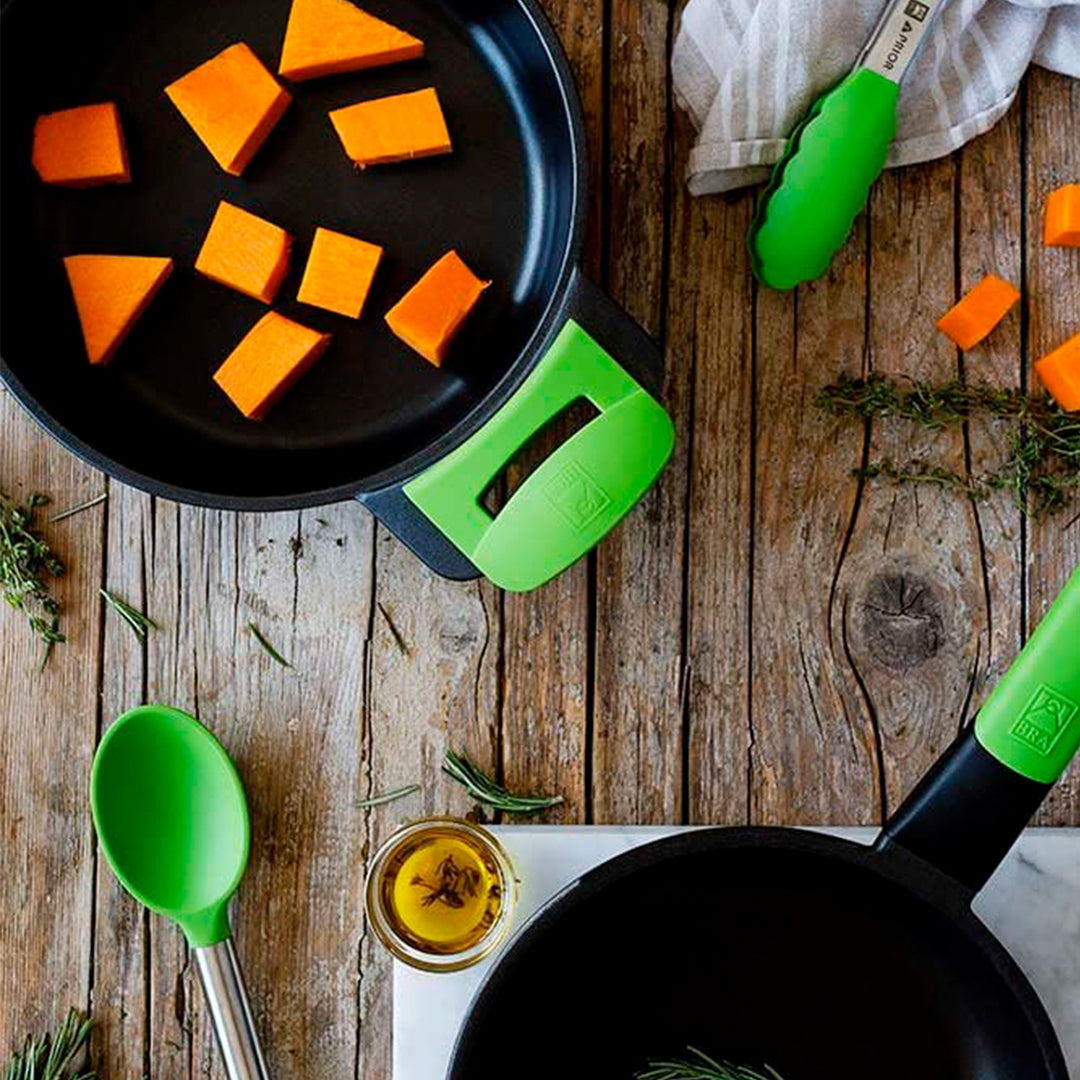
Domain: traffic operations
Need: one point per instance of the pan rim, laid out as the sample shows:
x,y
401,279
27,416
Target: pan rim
x,y
918,879
460,430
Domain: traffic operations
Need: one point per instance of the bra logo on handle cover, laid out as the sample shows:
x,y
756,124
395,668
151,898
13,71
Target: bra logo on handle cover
x,y
1044,719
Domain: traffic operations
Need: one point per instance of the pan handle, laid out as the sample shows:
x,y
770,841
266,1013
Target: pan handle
x,y
967,812
580,492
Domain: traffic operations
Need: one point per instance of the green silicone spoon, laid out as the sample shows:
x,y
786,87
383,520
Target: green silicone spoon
x,y
172,819
835,153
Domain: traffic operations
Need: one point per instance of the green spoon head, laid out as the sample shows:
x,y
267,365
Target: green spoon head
x,y
170,813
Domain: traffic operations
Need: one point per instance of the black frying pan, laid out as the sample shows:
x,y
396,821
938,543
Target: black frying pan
x,y
822,958
371,416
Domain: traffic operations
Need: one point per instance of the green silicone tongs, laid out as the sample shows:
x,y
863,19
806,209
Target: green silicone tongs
x,y
835,153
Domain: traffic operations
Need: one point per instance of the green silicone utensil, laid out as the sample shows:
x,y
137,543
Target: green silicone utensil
x,y
835,153
170,813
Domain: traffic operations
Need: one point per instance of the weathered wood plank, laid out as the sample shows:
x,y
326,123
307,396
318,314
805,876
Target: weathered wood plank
x,y
910,602
1053,117
813,757
638,722
46,745
434,690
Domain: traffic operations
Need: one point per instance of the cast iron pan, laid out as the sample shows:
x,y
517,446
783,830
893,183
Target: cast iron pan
x,y
824,959
370,415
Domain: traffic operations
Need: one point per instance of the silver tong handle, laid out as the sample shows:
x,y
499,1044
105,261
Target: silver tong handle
x,y
227,997
897,37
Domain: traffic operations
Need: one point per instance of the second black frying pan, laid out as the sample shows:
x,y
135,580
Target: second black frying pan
x,y
821,958
371,416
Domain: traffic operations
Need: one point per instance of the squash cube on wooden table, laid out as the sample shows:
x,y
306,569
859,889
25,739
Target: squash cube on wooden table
x,y
330,37
978,311
394,128
111,292
1061,226
339,273
232,103
1060,373
271,357
81,147
428,316
245,252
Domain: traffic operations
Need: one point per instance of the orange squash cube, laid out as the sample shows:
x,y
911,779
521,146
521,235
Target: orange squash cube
x,y
245,252
339,273
978,311
1060,373
111,293
271,357
232,103
329,37
428,316
81,147
1061,227
393,128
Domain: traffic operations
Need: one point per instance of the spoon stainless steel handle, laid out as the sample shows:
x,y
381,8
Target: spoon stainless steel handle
x,y
227,997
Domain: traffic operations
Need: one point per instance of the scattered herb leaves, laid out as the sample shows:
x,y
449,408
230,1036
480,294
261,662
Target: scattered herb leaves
x,y
388,797
485,790
395,633
26,560
273,653
51,1057
71,511
139,622
699,1066
1042,469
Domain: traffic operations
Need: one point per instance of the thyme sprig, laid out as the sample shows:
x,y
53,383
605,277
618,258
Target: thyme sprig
x,y
485,790
1042,469
699,1066
26,562
139,622
51,1057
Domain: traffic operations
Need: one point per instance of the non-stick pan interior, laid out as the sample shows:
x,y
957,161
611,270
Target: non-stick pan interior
x,y
818,967
505,199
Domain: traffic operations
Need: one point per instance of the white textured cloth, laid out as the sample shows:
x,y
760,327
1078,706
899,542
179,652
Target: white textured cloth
x,y
747,70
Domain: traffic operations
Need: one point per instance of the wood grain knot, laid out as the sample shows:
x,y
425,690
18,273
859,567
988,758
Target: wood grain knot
x,y
902,621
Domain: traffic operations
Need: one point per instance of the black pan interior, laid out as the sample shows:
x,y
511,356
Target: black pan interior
x,y
505,199
817,966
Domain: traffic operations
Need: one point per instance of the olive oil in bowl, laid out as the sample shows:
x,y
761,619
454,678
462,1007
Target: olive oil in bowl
x,y
440,894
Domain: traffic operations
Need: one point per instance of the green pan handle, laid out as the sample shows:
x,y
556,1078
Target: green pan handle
x,y
581,491
1031,721
823,180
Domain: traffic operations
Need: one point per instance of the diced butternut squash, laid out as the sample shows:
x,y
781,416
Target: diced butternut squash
x,y
339,273
232,103
1061,227
978,311
81,147
393,128
245,252
111,292
272,356
328,37
429,315
1060,373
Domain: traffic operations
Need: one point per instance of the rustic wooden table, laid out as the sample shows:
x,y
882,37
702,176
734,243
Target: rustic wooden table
x,y
765,639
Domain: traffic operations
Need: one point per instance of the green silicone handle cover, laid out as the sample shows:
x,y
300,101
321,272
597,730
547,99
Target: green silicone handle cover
x,y
1031,721
577,495
822,181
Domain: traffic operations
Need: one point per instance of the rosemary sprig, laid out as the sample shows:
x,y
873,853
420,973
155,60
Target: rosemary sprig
x,y
1042,469
395,633
485,790
26,560
271,651
388,797
699,1066
50,1057
139,622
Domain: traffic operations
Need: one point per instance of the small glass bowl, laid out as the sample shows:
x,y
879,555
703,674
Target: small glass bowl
x,y
385,922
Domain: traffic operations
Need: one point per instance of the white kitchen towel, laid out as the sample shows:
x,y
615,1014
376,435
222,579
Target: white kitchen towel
x,y
747,70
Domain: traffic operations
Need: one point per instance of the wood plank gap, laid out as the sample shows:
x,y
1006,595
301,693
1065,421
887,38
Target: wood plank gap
x,y
751,532
1025,335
